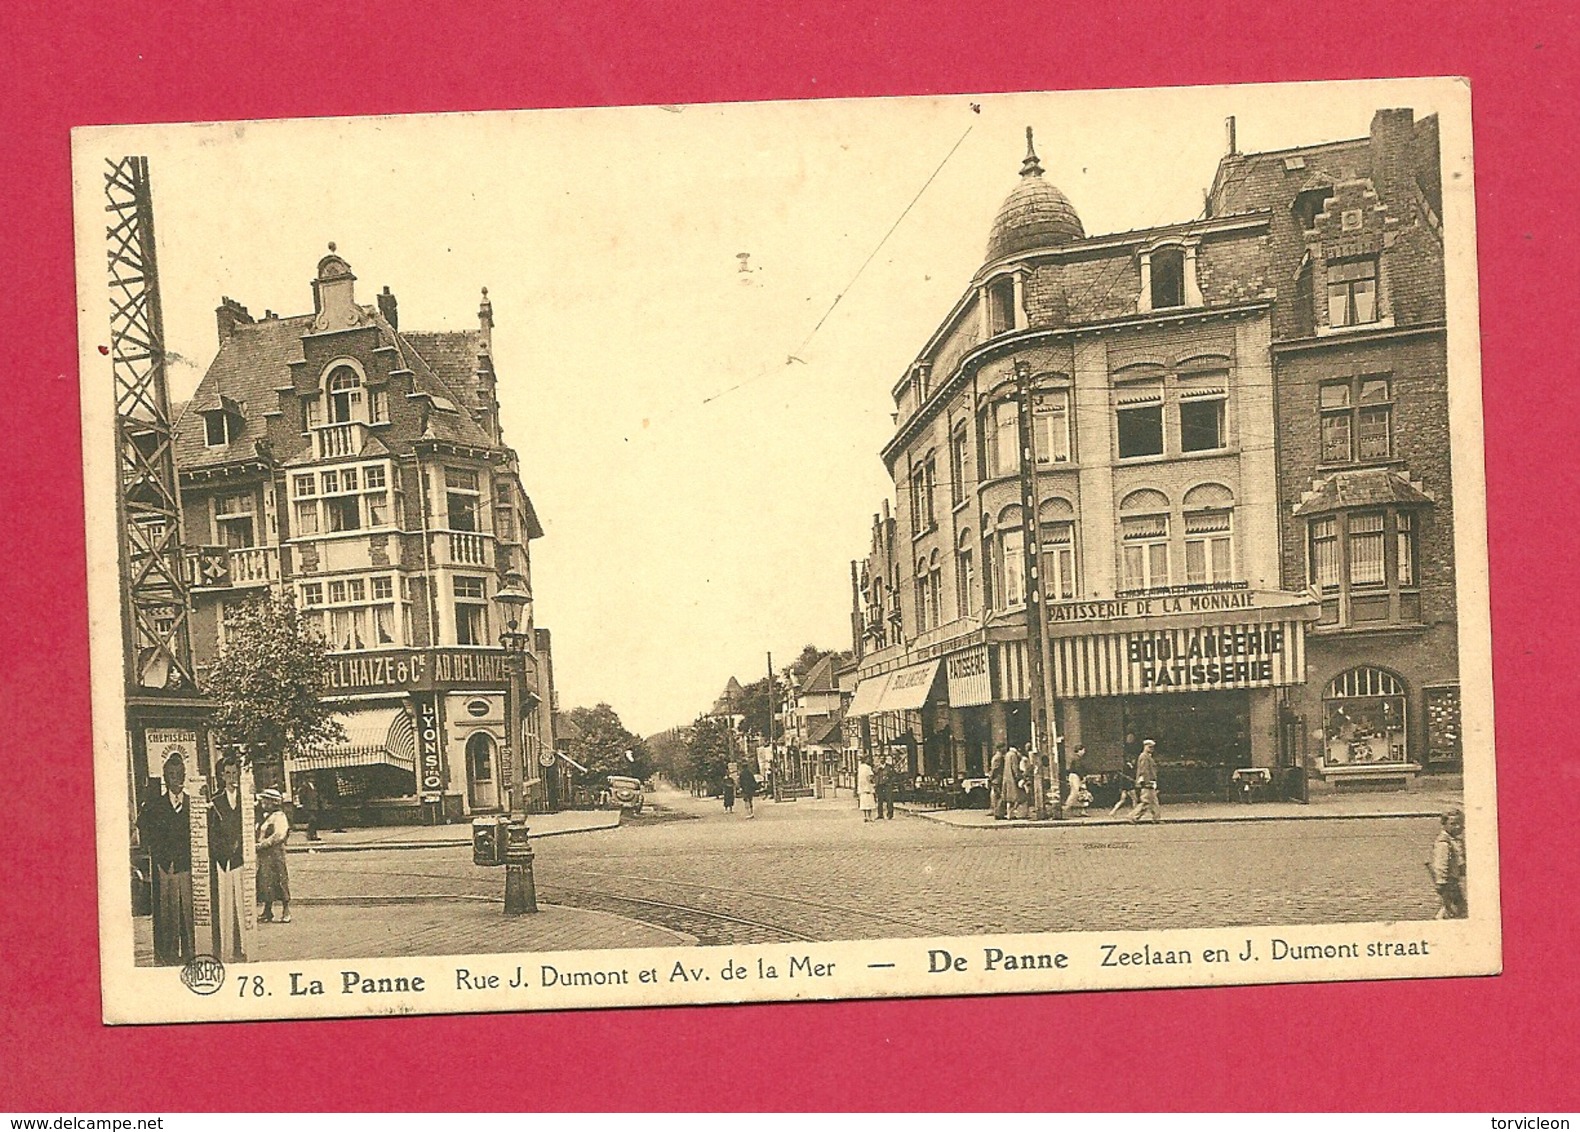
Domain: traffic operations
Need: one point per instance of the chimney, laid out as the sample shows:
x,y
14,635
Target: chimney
x,y
855,609
1228,125
229,315
387,308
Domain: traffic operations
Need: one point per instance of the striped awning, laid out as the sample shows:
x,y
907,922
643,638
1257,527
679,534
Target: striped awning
x,y
374,736
869,696
1206,658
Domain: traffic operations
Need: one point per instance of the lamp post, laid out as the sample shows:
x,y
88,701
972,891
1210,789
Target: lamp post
x,y
520,890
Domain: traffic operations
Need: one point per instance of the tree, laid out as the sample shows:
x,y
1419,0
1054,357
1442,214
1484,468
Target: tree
x,y
708,751
671,756
268,685
603,744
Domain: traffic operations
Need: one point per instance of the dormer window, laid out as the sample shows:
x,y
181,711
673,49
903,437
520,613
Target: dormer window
x,y
1168,278
1003,312
216,428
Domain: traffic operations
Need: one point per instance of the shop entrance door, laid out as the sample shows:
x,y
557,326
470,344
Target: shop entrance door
x,y
480,768
1202,738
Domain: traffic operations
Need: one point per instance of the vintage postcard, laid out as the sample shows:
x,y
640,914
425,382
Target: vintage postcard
x,y
811,550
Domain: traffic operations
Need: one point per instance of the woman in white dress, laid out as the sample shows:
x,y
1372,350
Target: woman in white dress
x,y
866,791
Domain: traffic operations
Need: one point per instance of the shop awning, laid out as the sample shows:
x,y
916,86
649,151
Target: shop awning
x,y
909,687
375,736
869,696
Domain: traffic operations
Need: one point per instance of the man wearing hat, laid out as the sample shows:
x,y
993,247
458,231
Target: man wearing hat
x,y
164,829
274,882
225,851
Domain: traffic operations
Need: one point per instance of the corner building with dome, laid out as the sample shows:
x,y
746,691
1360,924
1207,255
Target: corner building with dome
x,y
1132,533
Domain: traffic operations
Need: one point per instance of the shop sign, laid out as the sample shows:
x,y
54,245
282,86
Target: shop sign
x,y
969,685
418,670
430,761
1196,659
1204,659
1159,605
159,743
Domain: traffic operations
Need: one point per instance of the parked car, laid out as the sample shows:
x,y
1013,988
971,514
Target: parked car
x,y
626,793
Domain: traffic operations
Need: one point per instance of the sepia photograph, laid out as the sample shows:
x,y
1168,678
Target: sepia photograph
x,y
791,550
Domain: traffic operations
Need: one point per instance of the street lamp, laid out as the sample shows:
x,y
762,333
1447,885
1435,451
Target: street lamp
x,y
516,601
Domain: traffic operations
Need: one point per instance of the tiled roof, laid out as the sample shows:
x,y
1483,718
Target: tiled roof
x,y
452,354
1364,487
251,364
729,699
254,362
825,733
820,677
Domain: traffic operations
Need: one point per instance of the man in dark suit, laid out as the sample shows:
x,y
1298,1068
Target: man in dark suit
x,y
225,833
164,829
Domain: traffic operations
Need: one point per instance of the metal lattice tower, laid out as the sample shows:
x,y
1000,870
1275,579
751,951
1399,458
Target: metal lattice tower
x,y
154,598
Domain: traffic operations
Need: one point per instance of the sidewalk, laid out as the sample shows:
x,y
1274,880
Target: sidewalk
x,y
1422,802
453,926
456,833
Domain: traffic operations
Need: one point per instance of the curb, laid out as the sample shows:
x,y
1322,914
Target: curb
x,y
445,843
1084,823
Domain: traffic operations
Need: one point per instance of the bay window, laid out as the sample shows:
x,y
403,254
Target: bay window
x,y
1363,563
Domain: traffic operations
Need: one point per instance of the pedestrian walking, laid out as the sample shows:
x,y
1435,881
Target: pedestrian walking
x,y
1077,799
274,880
1146,784
307,803
729,794
1447,866
1127,788
164,829
996,783
225,852
1014,791
748,789
884,784
866,789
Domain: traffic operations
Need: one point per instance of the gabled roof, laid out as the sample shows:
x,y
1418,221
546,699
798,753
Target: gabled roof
x,y
826,733
820,677
729,700
253,364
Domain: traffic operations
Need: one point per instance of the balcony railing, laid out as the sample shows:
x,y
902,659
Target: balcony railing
x,y
217,568
343,439
468,548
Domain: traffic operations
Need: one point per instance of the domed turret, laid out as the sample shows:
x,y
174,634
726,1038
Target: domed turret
x,y
1035,215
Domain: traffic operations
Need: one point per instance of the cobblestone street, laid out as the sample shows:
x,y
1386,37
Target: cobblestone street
x,y
684,870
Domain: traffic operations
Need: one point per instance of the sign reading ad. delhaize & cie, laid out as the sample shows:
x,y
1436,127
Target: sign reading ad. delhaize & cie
x,y
418,670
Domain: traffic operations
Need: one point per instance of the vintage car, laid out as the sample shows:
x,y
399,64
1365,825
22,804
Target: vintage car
x,y
625,793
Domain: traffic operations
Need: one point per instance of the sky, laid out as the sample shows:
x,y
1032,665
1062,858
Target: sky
x,y
700,442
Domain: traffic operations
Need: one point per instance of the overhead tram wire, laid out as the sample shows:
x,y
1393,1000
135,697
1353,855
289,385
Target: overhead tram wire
x,y
795,355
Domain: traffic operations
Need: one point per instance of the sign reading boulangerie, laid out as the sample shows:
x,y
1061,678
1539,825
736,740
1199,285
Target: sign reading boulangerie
x,y
1185,586
1197,659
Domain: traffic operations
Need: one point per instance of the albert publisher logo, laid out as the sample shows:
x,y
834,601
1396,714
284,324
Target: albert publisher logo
x,y
204,975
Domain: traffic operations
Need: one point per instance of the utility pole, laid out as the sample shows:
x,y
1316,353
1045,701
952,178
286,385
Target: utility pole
x,y
1043,737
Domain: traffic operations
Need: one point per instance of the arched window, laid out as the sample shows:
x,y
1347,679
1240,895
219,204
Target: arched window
x,y
1144,539
1009,565
345,395
1209,534
1364,719
480,756
965,576
935,587
1056,528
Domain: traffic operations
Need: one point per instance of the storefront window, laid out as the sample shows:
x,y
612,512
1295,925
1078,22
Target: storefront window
x,y
1364,715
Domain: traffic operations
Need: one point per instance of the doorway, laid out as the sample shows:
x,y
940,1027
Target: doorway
x,y
482,793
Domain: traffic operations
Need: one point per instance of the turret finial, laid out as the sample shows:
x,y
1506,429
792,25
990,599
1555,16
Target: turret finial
x,y
1030,167
331,245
